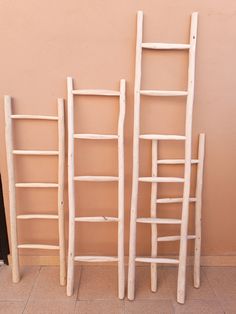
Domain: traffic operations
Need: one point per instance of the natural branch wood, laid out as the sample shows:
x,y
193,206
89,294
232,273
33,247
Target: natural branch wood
x,y
173,200
160,221
96,136
166,93
96,92
174,238
157,260
165,46
36,185
95,259
35,152
97,219
37,216
96,178
38,246
32,117
161,179
174,161
163,137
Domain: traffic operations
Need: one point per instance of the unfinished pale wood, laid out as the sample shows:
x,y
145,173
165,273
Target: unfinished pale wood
x,y
96,92
37,216
11,189
96,136
157,260
198,209
32,117
136,132
161,179
175,161
173,200
163,137
181,286
167,93
95,259
174,238
35,152
60,192
38,246
36,185
96,178
161,221
97,219
165,46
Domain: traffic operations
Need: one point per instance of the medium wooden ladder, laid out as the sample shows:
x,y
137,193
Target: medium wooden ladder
x,y
72,178
14,216
191,47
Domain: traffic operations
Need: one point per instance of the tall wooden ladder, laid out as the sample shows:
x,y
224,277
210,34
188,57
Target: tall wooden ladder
x,y
181,262
12,185
72,178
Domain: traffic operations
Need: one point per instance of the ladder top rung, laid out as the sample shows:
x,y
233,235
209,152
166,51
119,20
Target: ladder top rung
x,y
172,200
35,152
37,216
96,136
95,259
95,92
158,260
165,46
33,117
97,219
38,246
36,185
175,161
161,221
163,93
163,137
161,179
96,178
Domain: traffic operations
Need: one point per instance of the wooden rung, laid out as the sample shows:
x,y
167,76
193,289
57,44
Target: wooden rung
x,y
96,219
96,136
36,152
38,246
33,117
157,260
174,238
175,161
96,178
161,221
173,200
165,46
95,259
96,92
161,179
163,93
37,216
163,137
36,185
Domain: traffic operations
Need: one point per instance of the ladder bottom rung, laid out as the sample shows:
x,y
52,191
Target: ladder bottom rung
x,y
38,246
97,219
159,221
157,260
95,259
174,238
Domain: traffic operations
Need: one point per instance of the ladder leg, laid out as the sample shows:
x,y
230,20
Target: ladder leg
x,y
134,198
11,190
198,209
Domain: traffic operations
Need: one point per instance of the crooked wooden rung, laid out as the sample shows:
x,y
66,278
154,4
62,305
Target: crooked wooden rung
x,y
95,259
97,219
163,93
173,200
161,221
174,238
36,185
96,92
166,46
33,117
161,179
96,136
157,260
38,246
163,137
36,152
96,178
37,216
175,161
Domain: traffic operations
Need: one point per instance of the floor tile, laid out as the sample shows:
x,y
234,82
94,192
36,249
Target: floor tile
x,y
198,306
17,291
98,283
47,285
229,306
149,307
12,307
100,307
49,307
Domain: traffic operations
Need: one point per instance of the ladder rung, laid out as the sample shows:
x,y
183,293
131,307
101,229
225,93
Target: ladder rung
x,y
96,92
37,216
96,136
38,246
173,200
175,161
35,152
33,117
161,179
95,259
97,219
167,137
96,178
161,221
163,93
36,185
174,238
165,46
158,260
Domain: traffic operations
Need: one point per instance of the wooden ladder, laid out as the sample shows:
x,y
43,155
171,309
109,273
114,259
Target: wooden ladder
x,y
191,47
14,216
72,178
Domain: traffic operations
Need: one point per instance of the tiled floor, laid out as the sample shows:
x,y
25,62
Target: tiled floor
x,y
96,293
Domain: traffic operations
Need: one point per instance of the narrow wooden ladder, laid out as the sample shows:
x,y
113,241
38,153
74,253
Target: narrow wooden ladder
x,y
72,178
191,47
14,216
